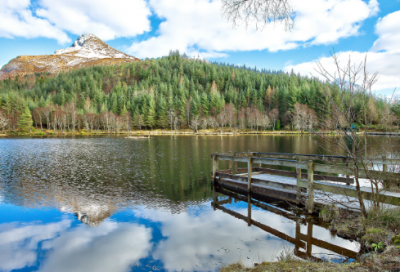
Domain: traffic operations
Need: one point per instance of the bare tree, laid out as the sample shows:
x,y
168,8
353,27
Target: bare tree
x,y
194,123
352,80
261,12
3,119
274,115
265,121
46,112
37,116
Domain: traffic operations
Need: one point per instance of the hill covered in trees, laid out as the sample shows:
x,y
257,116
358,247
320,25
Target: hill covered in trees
x,y
177,92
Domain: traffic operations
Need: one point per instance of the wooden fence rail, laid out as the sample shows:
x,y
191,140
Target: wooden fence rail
x,y
313,180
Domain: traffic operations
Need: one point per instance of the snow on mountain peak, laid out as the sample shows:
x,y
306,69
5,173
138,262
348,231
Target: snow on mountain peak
x,y
83,38
89,46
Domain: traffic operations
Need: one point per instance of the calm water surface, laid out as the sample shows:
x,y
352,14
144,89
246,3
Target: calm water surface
x,y
114,204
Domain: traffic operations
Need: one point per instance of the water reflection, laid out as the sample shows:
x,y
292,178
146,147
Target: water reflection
x,y
101,204
303,243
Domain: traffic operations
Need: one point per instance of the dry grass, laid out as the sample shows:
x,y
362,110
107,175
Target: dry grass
x,y
296,265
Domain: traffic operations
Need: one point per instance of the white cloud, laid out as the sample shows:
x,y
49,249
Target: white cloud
x,y
106,19
197,25
111,246
389,33
17,20
18,244
54,18
204,242
383,58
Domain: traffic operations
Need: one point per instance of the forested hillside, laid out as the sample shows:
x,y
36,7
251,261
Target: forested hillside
x,y
175,92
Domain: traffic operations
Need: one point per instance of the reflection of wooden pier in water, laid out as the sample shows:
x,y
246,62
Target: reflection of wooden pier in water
x,y
303,242
298,187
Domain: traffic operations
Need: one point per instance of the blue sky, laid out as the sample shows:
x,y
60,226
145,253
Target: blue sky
x,y
151,28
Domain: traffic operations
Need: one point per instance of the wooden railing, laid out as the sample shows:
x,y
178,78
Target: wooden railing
x,y
311,166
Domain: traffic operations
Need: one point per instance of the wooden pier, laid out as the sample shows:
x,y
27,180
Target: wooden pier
x,y
297,186
303,242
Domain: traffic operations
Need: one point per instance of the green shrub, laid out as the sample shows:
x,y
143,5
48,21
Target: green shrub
x,y
374,236
329,213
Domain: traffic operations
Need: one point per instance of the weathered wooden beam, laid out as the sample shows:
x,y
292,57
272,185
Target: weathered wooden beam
x,y
334,248
310,189
279,162
304,175
298,183
266,228
215,168
351,192
274,184
232,158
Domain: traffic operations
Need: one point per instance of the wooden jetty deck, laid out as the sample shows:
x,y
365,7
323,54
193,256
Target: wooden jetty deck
x,y
308,188
303,242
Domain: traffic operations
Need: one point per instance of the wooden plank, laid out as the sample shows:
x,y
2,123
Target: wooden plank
x,y
298,174
305,175
294,156
310,189
273,184
266,228
327,158
279,162
249,171
334,248
351,192
232,158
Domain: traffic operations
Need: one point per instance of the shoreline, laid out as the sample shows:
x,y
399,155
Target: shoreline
x,y
186,132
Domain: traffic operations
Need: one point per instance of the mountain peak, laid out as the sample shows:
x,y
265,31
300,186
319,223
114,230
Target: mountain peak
x,y
87,50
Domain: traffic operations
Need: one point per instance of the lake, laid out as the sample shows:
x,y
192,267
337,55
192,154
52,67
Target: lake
x,y
115,204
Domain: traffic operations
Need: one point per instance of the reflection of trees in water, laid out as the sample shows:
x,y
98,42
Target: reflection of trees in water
x,y
106,174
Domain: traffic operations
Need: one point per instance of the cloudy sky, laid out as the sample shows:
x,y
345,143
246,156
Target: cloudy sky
x,y
151,28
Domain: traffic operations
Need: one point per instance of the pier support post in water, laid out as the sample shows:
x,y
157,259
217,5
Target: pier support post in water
x,y
384,170
230,162
250,169
215,168
235,164
298,172
310,206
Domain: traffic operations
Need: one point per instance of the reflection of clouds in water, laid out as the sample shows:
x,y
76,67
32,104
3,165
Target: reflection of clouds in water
x,y
204,243
18,244
110,247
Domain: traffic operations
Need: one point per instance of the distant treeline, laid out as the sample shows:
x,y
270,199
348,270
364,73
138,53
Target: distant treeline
x,y
177,92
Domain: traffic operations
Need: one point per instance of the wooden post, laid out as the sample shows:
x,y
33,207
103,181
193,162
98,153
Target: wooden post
x,y
310,205
298,196
230,162
250,169
235,164
309,237
384,170
215,168
249,210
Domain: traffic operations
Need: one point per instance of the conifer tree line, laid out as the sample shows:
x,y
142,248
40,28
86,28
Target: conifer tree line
x,y
177,92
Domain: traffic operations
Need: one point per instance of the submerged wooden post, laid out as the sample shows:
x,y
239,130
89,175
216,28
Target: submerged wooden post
x,y
215,168
298,196
250,169
310,173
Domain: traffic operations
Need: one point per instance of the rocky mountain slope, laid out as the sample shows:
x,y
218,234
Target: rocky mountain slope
x,y
87,50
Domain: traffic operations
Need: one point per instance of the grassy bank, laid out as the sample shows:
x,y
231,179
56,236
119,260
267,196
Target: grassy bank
x,y
225,132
